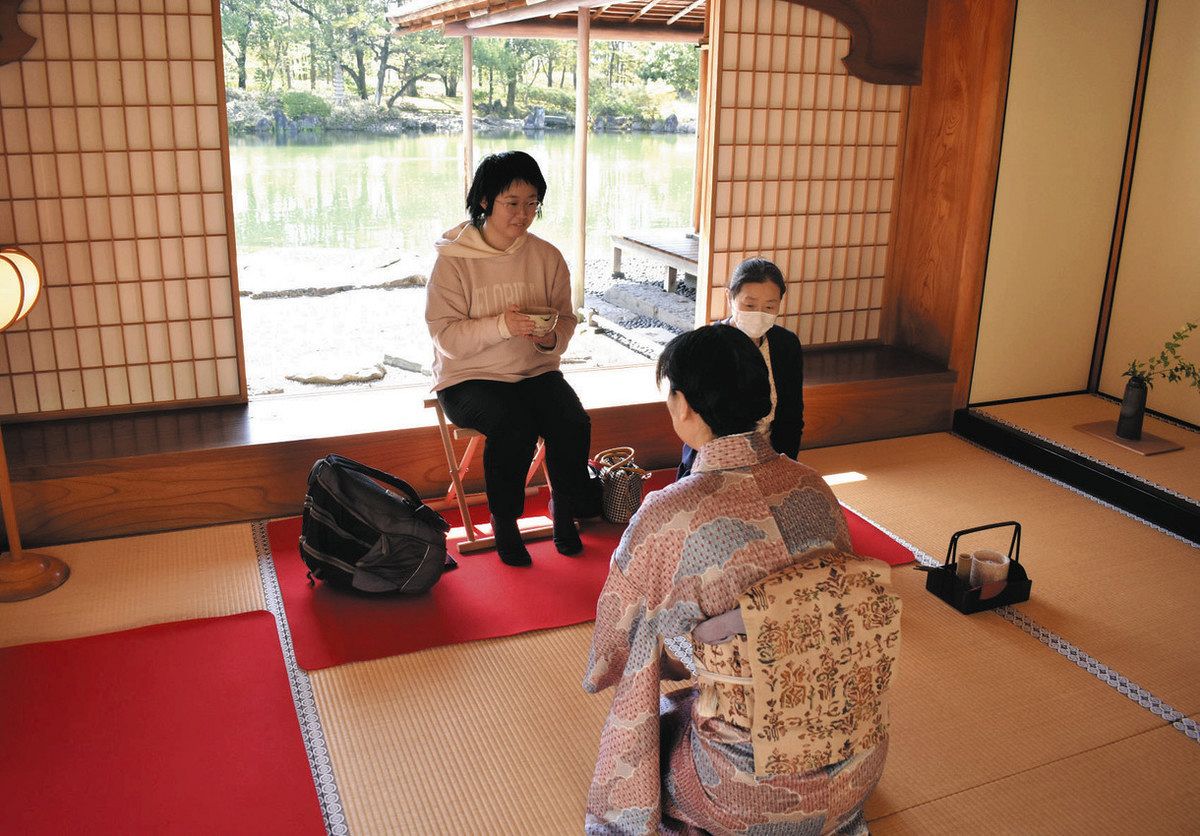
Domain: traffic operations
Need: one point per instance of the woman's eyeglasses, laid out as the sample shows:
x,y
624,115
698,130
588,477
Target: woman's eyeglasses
x,y
529,207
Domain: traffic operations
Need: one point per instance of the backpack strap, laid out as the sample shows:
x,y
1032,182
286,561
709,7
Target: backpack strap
x,y
422,510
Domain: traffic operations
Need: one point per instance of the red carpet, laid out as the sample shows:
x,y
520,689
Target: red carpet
x,y
181,728
481,599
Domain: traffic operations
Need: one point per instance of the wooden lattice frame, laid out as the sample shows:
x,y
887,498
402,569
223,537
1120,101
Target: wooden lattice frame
x,y
804,159
115,176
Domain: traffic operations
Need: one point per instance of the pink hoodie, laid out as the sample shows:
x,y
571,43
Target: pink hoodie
x,y
471,285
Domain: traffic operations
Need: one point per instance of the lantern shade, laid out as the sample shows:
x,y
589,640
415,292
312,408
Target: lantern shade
x,y
20,285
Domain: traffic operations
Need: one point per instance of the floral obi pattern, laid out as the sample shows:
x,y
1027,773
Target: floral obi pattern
x,y
822,638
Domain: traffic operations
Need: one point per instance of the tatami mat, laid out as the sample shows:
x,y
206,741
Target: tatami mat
x,y
1143,784
488,737
498,737
977,700
1114,587
1055,419
135,581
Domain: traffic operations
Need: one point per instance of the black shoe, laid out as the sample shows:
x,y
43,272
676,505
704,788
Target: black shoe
x,y
509,544
566,535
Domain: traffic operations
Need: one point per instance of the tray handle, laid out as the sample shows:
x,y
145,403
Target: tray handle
x,y
1014,547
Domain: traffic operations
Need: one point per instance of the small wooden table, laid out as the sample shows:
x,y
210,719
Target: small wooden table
x,y
678,248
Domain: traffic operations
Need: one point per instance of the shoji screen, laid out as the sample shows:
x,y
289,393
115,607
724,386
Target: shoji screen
x,y
114,179
804,161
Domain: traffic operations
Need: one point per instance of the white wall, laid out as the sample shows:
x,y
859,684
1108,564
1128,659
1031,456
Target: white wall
x,y
1071,85
1158,280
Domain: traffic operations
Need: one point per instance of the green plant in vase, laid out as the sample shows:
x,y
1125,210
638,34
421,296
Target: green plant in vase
x,y
1166,364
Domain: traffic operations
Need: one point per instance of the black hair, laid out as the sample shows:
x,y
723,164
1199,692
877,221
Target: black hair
x,y
496,172
721,373
756,271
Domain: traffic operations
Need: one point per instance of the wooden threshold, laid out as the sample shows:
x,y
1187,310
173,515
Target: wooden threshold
x,y
97,477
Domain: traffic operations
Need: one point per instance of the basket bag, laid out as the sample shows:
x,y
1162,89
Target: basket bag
x,y
622,481
356,534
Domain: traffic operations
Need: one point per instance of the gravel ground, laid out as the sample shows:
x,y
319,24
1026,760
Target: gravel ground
x,y
361,324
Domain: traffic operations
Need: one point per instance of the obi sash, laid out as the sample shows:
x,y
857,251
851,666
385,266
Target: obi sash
x,y
808,677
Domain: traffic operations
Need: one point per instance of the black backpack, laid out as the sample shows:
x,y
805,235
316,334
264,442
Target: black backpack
x,y
357,535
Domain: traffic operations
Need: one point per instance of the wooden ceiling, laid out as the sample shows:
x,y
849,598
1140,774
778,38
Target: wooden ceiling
x,y
674,20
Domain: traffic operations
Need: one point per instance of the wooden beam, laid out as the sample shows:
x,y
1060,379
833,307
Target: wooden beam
x,y
886,37
583,61
468,107
130,491
1118,236
693,5
645,9
565,30
530,12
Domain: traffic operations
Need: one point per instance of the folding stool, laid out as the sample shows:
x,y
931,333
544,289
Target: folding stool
x,y
477,540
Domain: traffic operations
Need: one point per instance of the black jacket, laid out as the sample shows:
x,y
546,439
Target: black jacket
x,y
787,367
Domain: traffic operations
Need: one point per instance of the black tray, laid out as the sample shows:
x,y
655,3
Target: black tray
x,y
943,580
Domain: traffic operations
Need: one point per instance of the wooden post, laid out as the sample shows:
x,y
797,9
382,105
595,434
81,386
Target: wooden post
x,y
701,138
468,112
581,131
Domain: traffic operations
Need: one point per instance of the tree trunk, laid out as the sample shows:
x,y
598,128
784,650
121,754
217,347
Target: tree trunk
x,y
360,77
549,72
382,74
312,64
451,82
242,43
491,85
511,104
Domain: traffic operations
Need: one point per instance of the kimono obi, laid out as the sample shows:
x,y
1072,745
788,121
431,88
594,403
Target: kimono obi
x,y
807,676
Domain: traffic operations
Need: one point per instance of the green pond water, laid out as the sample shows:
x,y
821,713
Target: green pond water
x,y
369,191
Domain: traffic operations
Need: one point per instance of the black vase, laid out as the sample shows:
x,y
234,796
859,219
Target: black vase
x,y
1133,410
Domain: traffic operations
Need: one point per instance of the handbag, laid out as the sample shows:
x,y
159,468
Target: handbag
x,y
357,534
622,481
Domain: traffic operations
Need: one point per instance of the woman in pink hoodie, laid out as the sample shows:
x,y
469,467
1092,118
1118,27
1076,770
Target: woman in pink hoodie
x,y
494,371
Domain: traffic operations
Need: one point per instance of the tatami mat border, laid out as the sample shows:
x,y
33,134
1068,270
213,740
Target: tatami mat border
x,y
998,421
1095,667
302,693
1104,673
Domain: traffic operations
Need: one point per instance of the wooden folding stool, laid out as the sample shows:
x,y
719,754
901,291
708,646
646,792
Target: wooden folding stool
x,y
476,539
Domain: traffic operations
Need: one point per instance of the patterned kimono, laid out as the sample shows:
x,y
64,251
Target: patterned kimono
x,y
693,548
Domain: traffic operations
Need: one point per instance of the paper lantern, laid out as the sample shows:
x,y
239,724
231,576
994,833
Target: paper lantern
x,y
22,574
20,285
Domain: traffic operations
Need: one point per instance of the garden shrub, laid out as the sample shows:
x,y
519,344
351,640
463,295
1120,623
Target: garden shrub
x,y
296,104
244,114
631,102
553,99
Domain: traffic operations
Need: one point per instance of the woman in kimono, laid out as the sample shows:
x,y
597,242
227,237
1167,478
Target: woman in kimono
x,y
794,637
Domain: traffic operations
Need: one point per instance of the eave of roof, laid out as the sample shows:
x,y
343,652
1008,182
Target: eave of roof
x,y
686,15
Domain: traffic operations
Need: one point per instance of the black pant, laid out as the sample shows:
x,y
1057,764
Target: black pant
x,y
512,416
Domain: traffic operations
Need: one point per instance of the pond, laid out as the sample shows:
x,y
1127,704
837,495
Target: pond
x,y
370,191
326,225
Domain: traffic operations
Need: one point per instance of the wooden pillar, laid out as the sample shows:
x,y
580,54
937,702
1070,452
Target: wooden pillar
x,y
581,133
701,137
468,112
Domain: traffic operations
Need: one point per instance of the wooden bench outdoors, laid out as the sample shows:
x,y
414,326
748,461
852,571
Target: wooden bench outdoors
x,y
679,249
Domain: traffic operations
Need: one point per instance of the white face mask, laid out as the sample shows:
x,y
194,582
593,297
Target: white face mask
x,y
754,323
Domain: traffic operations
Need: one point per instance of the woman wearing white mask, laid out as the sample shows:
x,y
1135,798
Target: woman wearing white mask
x,y
755,295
